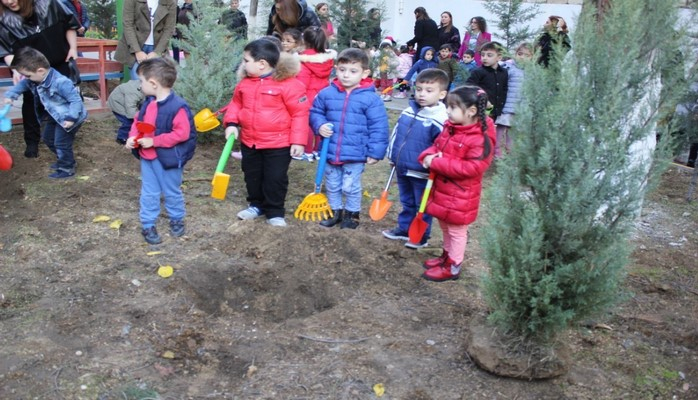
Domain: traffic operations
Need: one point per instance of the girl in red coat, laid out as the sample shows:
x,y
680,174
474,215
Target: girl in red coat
x,y
459,158
316,68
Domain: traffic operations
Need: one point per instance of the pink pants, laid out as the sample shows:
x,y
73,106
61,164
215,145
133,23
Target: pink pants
x,y
455,240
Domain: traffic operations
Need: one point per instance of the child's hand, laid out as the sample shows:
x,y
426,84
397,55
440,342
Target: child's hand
x,y
146,142
232,130
426,163
129,143
326,130
371,161
8,100
68,124
297,150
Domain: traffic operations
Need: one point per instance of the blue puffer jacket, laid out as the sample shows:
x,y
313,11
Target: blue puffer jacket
x,y
515,84
359,118
423,64
59,97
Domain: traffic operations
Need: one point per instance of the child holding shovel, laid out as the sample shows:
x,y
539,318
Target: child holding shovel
x,y
459,158
269,115
352,117
416,128
164,152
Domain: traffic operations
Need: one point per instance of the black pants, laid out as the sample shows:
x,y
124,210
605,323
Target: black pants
x,y
32,127
266,178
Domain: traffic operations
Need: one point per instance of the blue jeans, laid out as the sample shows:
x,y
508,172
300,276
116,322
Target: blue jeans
x,y
60,142
124,128
344,179
157,181
147,48
411,191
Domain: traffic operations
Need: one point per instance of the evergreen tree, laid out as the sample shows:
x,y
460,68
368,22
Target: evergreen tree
x,y
564,201
210,73
512,18
352,22
102,14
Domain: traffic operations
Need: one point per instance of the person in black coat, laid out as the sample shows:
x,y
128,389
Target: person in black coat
x,y
449,34
554,35
426,33
491,77
291,14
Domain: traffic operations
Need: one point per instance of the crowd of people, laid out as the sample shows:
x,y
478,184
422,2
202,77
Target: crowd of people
x,y
295,93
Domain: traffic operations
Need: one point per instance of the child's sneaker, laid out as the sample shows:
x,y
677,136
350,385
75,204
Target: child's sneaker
x,y
400,95
61,174
316,155
395,234
422,243
176,227
249,213
277,221
236,155
151,235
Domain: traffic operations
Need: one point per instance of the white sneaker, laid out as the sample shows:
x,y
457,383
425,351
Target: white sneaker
x,y
277,221
249,213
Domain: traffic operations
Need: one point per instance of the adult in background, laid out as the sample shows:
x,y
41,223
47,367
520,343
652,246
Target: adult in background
x,y
47,26
323,12
148,27
474,38
291,14
554,35
448,34
373,27
426,33
80,12
235,21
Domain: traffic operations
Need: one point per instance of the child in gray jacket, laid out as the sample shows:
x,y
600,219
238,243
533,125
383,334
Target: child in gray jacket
x,y
125,101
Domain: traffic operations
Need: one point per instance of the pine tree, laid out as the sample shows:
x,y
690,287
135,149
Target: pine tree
x,y
102,13
351,21
563,203
512,18
209,76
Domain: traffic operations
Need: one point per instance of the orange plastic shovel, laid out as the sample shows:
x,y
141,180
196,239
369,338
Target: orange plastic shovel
x,y
419,226
380,207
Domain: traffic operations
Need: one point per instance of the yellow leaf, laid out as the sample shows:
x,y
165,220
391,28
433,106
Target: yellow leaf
x,y
168,354
82,178
165,271
379,389
153,253
116,224
366,193
101,218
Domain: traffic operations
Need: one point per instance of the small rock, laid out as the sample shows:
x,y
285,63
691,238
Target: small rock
x,y
682,376
136,282
627,344
251,370
316,387
415,319
431,342
78,353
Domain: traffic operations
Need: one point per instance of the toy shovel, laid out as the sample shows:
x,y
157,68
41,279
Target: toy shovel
x,y
144,130
5,159
419,226
5,122
380,207
220,180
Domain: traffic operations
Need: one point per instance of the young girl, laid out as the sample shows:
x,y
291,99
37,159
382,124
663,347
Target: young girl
x,y
459,158
291,41
316,67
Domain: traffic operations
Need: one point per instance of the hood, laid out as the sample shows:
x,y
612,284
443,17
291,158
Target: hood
x,y
319,64
287,67
424,51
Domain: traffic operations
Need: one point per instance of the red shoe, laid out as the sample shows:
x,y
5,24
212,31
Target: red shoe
x,y
441,274
438,261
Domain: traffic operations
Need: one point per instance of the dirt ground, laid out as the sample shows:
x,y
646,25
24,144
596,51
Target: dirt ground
x,y
255,312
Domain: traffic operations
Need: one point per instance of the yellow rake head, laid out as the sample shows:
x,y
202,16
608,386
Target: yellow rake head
x,y
314,207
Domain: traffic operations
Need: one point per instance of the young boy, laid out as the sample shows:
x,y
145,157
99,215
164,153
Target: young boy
x,y
125,101
447,63
62,106
415,131
269,114
465,66
163,153
352,117
491,77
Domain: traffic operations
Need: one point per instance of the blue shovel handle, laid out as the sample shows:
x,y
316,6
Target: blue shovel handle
x,y
321,164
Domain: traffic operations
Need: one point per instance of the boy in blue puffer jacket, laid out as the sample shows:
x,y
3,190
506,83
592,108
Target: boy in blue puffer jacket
x,y
415,131
427,59
352,117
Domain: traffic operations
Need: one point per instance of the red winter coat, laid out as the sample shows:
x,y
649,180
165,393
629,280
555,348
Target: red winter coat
x,y
316,69
272,112
455,196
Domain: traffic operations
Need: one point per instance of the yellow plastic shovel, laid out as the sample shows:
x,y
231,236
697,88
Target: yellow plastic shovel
x,y
220,180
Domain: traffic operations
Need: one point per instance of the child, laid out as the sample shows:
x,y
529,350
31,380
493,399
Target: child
x,y
316,68
292,41
447,63
465,66
523,54
459,157
269,114
352,117
61,106
405,63
164,153
385,63
426,60
491,77
416,128
124,101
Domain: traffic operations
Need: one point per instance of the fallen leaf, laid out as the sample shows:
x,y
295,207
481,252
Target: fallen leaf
x,y
168,354
153,253
116,224
101,218
366,194
379,389
251,371
603,326
165,271
82,178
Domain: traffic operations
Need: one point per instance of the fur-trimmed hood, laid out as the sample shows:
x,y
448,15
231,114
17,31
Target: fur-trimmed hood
x,y
287,67
311,56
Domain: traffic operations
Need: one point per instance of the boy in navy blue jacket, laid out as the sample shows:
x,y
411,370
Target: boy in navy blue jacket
x,y
491,77
415,131
352,117
61,102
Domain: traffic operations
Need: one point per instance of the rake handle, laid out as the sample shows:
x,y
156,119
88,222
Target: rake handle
x,y
321,164
223,160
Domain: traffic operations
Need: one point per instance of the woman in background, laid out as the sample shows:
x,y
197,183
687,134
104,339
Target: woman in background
x,y
476,36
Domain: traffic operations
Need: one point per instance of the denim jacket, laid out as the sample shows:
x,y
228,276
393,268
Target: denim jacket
x,y
60,98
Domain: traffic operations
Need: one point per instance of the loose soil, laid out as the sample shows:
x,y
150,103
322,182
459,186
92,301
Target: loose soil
x,y
256,312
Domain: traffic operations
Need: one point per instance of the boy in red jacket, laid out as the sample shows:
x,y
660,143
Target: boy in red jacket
x,y
269,115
